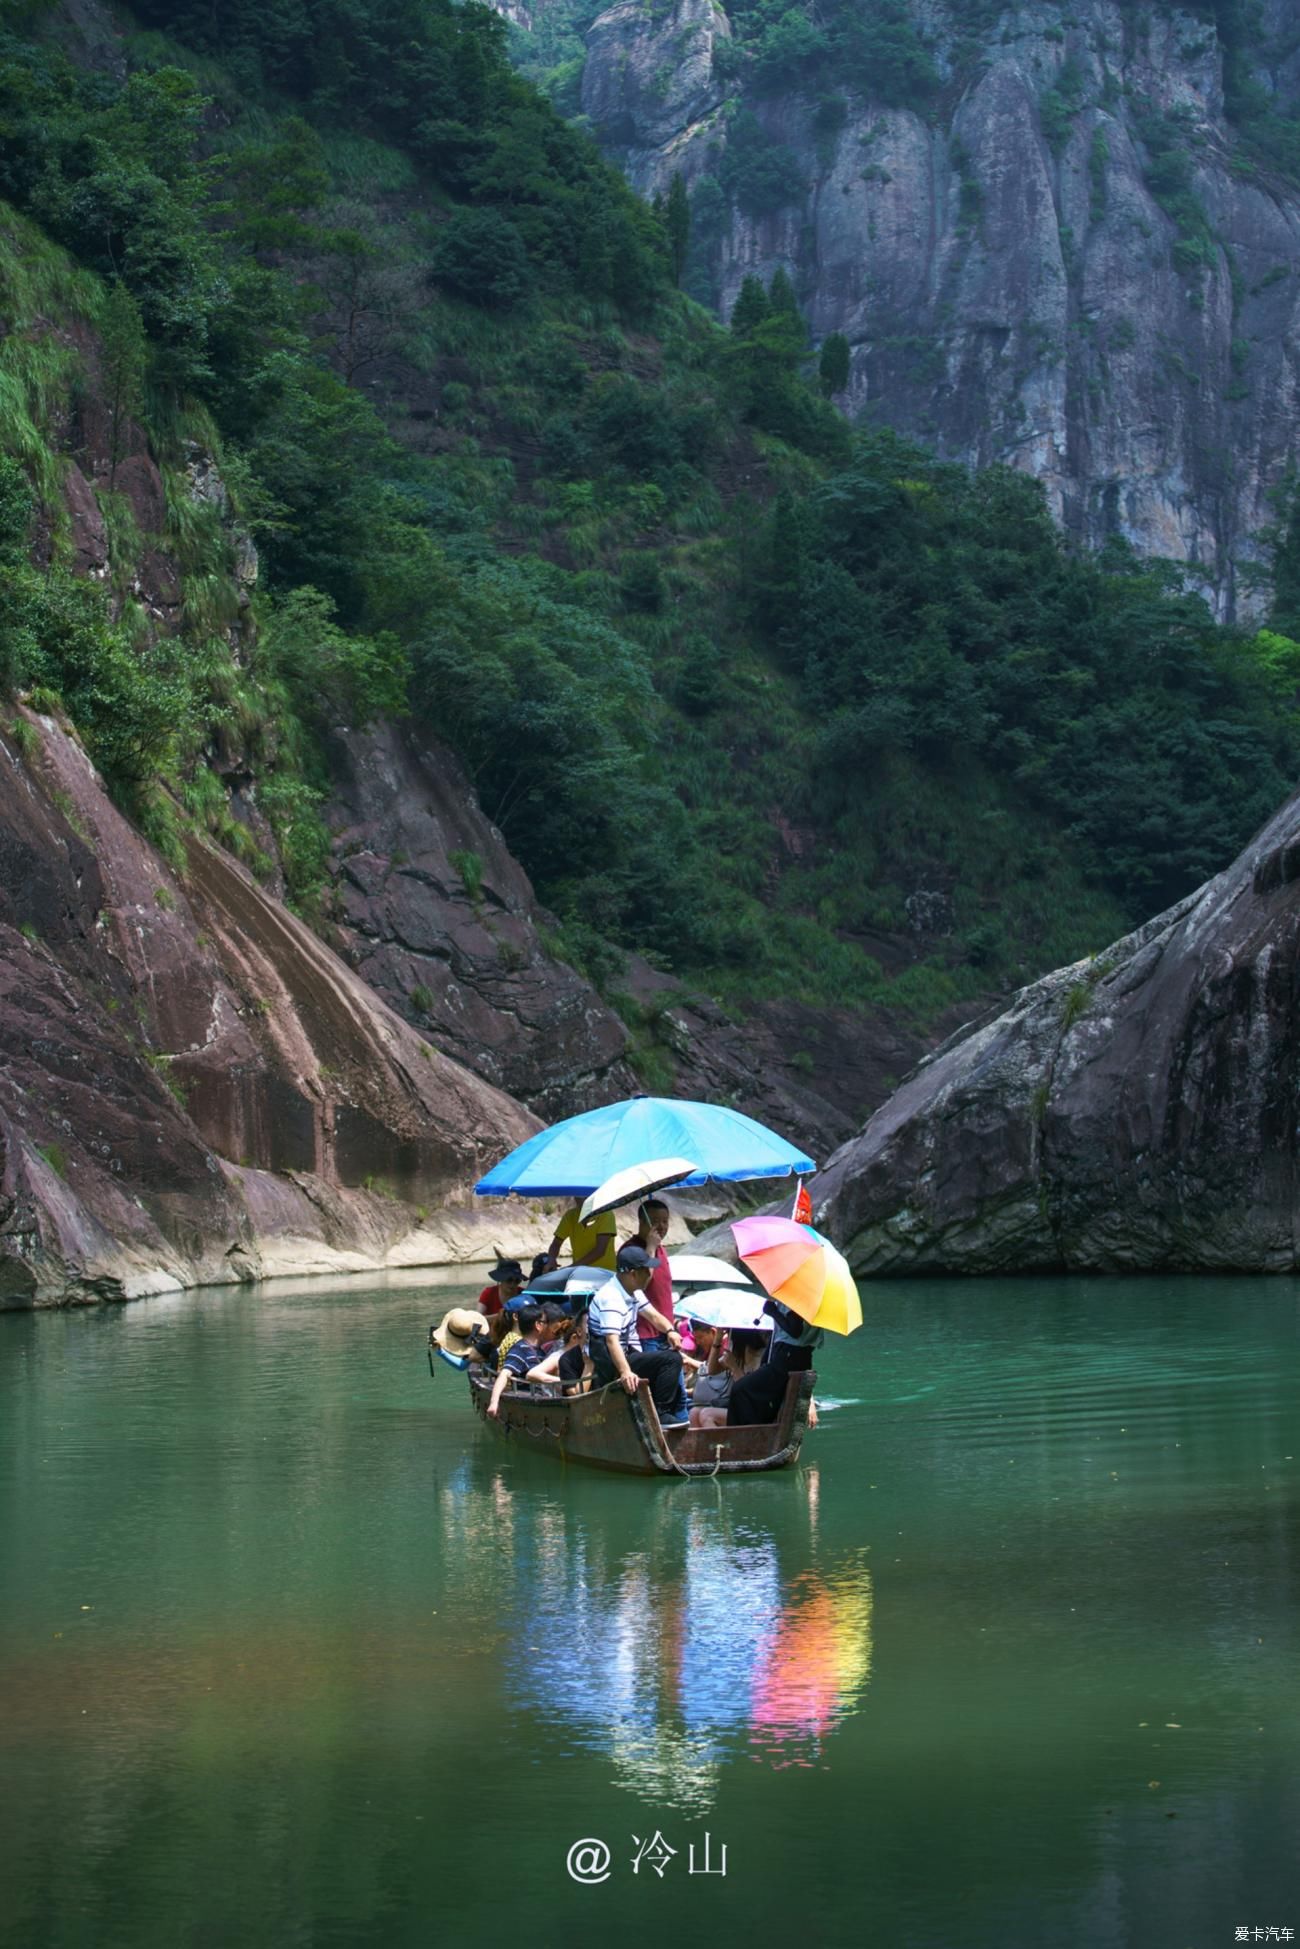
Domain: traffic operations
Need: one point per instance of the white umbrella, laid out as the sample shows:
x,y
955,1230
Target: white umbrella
x,y
637,1181
728,1307
697,1268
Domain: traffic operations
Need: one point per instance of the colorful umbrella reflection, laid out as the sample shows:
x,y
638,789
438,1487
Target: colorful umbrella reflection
x,y
815,1666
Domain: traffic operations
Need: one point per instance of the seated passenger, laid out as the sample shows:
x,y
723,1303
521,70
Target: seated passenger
x,y
742,1355
508,1278
703,1336
524,1355
756,1397
455,1336
555,1325
489,1336
568,1361
510,1314
616,1350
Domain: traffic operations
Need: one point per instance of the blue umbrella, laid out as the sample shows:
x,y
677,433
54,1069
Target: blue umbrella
x,y
572,1158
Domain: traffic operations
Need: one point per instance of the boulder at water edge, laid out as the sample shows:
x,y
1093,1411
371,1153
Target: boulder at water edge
x,y
1134,1112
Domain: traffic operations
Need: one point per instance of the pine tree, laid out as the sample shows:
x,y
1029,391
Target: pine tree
x,y
750,308
677,218
780,294
833,365
122,336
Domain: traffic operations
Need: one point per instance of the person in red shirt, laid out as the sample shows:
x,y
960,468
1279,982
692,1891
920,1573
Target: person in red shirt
x,y
652,1221
508,1283
651,1224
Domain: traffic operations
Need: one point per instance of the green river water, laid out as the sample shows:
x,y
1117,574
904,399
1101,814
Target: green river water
x,y
293,1652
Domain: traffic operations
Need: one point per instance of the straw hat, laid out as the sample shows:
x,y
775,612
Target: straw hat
x,y
455,1333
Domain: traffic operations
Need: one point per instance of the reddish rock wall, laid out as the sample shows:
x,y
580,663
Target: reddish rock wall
x,y
166,1045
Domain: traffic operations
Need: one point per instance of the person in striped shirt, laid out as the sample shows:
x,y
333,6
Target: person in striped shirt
x,y
617,1353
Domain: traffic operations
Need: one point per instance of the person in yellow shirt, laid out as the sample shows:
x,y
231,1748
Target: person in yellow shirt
x,y
591,1244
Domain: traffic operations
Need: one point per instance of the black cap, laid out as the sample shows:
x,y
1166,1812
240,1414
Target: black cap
x,y
633,1258
507,1269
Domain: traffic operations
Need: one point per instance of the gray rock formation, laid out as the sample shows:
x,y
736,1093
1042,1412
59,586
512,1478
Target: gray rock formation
x,y
1015,282
193,1088
650,85
1132,1113
441,920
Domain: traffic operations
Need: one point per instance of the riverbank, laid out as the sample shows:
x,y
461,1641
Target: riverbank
x,y
300,1227
297,1226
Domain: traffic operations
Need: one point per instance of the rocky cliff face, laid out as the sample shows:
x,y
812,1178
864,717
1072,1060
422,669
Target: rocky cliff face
x,y
1067,263
195,1089
439,918
1132,1113
192,1087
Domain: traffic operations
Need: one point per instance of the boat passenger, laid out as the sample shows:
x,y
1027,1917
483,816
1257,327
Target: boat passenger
x,y
508,1282
757,1397
652,1221
616,1351
524,1355
742,1355
511,1336
555,1324
455,1334
591,1244
489,1335
568,1362
703,1337
541,1263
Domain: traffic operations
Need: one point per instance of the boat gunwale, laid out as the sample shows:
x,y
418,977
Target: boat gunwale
x,y
519,1409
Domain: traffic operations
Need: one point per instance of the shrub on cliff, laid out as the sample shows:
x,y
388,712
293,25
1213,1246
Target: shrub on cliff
x,y
129,702
479,255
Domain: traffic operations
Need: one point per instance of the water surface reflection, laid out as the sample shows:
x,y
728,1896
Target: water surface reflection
x,y
679,1638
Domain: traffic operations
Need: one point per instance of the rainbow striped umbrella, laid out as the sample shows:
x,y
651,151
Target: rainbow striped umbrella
x,y
802,1269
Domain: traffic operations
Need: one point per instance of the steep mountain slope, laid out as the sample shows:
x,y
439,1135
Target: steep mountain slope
x,y
1062,238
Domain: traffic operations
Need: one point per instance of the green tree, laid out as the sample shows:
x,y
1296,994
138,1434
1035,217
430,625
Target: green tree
x,y
677,223
833,365
125,354
751,307
480,255
780,295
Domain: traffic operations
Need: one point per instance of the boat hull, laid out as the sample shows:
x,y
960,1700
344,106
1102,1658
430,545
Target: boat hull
x,y
611,1429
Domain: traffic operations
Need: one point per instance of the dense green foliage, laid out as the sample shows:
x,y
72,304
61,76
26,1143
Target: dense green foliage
x,y
934,614
731,684
56,636
876,49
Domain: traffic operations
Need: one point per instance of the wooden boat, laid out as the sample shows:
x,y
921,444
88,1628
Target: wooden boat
x,y
612,1429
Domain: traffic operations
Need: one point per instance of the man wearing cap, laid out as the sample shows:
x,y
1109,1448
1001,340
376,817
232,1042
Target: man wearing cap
x,y
616,1351
508,1282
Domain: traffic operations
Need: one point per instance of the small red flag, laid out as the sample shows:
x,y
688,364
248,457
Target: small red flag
x,y
802,1206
